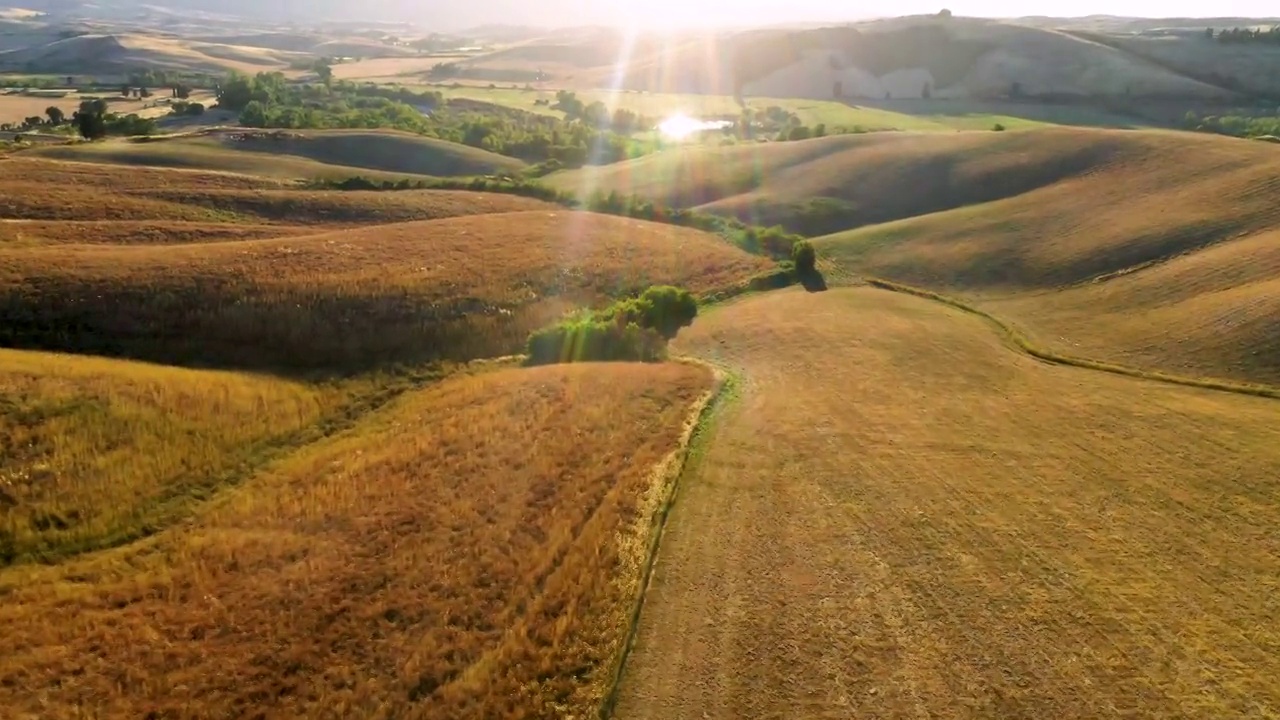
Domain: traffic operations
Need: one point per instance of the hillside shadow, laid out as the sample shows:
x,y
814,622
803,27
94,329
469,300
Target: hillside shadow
x,y
813,281
984,114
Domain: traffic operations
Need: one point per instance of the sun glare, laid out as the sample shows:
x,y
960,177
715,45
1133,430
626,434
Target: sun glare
x,y
679,126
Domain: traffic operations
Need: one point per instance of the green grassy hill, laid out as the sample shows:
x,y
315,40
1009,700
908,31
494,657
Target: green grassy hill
x,y
1161,256
381,154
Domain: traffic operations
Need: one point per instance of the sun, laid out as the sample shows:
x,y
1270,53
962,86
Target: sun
x,y
679,126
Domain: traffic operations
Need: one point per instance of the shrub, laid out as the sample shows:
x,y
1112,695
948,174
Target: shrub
x,y
805,258
661,308
997,127
591,340
635,329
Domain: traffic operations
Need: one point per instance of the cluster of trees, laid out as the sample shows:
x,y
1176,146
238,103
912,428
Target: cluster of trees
x,y
170,79
596,114
182,107
1245,126
92,121
1245,35
633,329
267,100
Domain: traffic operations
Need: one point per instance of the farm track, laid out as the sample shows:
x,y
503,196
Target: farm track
x,y
901,518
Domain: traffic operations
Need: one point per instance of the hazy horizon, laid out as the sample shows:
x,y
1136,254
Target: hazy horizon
x,y
658,14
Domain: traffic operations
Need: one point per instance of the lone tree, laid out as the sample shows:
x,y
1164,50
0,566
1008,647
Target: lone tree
x,y
805,258
91,119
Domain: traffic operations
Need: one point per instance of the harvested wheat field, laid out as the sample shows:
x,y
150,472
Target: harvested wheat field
x,y
456,289
471,550
911,519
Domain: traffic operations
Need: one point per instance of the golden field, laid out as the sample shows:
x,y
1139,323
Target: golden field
x,y
912,519
350,300
99,452
424,564
1156,258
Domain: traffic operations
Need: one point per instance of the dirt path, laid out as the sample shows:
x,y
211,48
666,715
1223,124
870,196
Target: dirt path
x,y
897,517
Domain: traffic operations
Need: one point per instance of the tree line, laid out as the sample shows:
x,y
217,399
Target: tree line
x,y
1245,35
267,100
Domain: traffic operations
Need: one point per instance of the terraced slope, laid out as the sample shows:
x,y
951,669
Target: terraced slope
x,y
458,288
1159,260
457,555
913,520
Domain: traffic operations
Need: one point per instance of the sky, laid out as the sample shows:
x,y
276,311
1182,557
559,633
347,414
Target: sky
x,y
701,13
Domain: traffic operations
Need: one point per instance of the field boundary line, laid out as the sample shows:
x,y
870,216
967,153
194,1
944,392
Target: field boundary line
x,y
667,474
1030,348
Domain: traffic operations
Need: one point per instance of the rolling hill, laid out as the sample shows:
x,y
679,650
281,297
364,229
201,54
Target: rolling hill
x,y
1145,260
351,300
908,57
826,184
126,52
290,154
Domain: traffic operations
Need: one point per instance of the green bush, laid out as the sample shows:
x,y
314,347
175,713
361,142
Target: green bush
x,y
661,308
804,257
591,340
635,329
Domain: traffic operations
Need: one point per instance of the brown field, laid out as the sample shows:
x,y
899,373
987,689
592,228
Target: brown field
x,y
1166,264
911,519
354,299
424,564
97,451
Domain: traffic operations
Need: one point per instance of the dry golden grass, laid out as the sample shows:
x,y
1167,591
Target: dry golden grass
x,y
911,519
33,233
1077,265
304,155
94,452
40,189
458,288
1208,313
471,551
882,176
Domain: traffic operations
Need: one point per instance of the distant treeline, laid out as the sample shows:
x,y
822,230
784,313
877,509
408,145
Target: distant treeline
x,y
1245,126
267,100
1245,35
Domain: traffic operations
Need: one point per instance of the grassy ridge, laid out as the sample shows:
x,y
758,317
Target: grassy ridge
x,y
349,301
424,560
